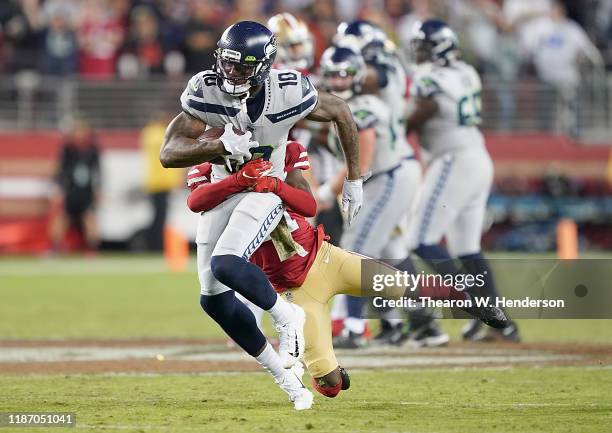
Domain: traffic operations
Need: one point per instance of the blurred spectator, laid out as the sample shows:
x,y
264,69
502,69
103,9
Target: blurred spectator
x,y
143,52
100,35
557,47
22,25
323,23
60,44
159,182
251,10
78,186
202,32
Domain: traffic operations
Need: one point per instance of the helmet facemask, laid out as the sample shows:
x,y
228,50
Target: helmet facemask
x,y
235,77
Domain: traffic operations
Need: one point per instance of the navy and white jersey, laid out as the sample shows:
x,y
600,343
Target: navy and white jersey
x,y
370,111
286,97
456,89
393,84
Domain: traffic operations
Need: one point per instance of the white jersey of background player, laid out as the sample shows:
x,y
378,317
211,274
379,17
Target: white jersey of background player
x,y
243,92
446,116
460,171
390,161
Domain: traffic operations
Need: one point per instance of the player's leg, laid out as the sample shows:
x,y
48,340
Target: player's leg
x,y
257,312
440,199
90,229
250,223
463,239
219,302
388,199
313,296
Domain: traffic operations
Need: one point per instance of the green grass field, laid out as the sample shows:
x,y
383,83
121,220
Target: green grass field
x,y
134,297
517,400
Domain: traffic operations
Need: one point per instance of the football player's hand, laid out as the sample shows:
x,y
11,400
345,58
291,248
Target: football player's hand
x,y
252,171
266,184
238,146
352,198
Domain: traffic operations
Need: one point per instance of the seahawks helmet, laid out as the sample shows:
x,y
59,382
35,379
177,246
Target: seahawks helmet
x,y
342,71
363,36
434,41
244,57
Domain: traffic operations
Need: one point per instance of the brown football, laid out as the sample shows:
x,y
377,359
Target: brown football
x,y
213,134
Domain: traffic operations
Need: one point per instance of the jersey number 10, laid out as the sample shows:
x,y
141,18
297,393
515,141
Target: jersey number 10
x,y
468,110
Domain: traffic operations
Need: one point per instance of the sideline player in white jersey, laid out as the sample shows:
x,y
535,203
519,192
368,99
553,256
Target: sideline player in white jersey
x,y
452,204
243,92
387,77
394,171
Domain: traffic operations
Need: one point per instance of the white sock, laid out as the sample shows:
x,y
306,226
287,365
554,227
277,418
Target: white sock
x,y
282,311
270,360
355,325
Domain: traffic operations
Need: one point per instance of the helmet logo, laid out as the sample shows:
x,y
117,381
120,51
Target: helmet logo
x,y
270,48
250,59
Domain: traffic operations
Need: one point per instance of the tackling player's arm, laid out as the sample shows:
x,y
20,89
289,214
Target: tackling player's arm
x,y
330,108
181,147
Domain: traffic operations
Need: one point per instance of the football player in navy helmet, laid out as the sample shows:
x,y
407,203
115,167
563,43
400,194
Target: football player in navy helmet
x,y
243,92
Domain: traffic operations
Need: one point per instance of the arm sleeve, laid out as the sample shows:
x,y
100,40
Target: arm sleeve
x,y
208,196
297,199
296,157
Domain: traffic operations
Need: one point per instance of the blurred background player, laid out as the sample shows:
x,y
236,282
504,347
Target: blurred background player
x,y
295,44
388,77
159,182
446,114
77,188
394,173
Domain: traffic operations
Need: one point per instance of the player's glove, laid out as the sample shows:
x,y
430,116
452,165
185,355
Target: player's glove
x,y
266,184
237,145
252,171
352,198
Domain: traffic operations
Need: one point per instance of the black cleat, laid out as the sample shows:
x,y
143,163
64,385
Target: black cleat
x,y
427,335
389,334
346,380
349,340
510,333
489,315
471,329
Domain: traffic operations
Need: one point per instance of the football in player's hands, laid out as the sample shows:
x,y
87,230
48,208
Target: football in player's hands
x,y
215,134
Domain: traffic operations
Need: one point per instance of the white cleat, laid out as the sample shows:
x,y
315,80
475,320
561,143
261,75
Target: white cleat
x,y
291,338
292,384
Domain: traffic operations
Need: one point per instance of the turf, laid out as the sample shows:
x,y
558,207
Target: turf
x,y
513,400
136,297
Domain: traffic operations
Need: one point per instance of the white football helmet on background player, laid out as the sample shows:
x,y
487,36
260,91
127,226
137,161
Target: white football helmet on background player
x,y
295,45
